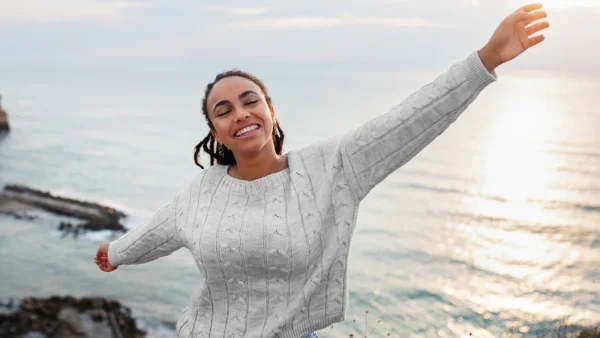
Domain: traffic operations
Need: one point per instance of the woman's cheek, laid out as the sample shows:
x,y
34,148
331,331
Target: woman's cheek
x,y
222,130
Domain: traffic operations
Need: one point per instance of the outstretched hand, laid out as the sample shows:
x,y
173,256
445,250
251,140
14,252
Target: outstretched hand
x,y
102,258
512,37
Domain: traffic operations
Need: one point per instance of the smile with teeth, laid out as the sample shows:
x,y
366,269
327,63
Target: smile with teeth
x,y
246,130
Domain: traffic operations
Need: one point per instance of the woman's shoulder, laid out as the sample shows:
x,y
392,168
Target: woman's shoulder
x,y
325,151
204,177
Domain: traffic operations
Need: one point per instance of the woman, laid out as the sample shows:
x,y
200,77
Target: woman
x,y
271,232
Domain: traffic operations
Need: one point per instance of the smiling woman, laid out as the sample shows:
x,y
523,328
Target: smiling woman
x,y
231,121
271,232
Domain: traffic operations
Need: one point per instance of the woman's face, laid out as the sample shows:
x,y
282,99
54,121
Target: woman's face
x,y
239,112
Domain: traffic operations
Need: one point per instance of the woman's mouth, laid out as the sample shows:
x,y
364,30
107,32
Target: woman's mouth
x,y
248,131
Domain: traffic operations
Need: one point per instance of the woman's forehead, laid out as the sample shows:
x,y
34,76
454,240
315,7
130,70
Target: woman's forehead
x,y
230,88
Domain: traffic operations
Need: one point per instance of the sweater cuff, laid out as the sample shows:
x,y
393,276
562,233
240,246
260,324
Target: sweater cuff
x,y
476,74
113,257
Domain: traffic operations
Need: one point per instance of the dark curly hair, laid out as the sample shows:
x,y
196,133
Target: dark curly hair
x,y
221,153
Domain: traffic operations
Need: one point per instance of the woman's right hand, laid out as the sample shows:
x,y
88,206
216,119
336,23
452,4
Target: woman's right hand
x,y
102,258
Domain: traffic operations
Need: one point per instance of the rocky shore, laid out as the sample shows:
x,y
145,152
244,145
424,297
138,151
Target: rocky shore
x,y
19,201
4,127
67,317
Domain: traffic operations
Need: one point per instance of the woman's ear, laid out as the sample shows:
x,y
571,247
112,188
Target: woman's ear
x,y
214,135
273,114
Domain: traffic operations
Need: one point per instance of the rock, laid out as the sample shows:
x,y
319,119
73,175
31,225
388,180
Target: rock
x,y
70,317
98,303
4,127
18,198
97,315
63,331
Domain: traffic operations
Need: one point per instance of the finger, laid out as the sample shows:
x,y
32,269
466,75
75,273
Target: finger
x,y
527,18
531,7
535,40
537,27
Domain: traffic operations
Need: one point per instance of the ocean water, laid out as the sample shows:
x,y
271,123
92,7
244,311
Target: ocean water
x,y
494,226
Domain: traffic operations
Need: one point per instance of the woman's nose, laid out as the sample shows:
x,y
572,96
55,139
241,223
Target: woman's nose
x,y
242,114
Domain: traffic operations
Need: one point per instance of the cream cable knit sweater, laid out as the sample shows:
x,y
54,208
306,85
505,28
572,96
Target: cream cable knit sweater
x,y
273,252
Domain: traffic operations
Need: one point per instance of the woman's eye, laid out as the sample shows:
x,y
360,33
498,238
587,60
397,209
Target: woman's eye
x,y
251,102
223,113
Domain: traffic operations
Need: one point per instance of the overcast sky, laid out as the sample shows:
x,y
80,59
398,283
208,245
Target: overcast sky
x,y
366,34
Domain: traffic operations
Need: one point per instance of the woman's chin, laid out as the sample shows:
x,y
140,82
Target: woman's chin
x,y
250,146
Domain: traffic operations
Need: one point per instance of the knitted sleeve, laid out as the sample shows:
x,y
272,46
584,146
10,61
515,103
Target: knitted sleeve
x,y
158,237
384,144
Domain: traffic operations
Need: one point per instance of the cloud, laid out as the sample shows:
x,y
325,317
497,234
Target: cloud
x,y
465,3
405,33
44,11
239,10
557,4
343,19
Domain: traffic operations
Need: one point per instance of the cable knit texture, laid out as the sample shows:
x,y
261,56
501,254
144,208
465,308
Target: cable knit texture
x,y
273,252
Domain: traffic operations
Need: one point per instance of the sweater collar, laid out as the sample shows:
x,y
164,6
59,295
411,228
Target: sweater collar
x,y
257,186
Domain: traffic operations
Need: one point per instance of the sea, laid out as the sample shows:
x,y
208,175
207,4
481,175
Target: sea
x,y
492,230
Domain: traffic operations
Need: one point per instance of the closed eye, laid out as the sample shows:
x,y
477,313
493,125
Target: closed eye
x,y
246,104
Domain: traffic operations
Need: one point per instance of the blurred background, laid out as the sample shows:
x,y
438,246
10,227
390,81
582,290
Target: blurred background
x,y
494,226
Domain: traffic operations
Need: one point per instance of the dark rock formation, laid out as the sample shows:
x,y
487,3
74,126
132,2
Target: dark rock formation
x,y
69,317
3,119
16,199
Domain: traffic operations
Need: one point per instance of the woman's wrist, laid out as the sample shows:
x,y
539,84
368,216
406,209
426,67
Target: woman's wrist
x,y
490,60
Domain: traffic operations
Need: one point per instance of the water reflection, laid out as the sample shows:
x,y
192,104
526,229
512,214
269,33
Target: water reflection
x,y
527,268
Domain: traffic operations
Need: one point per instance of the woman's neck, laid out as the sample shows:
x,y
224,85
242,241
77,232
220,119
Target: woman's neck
x,y
253,167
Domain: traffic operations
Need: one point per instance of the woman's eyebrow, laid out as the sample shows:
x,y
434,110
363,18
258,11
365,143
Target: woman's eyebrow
x,y
246,93
242,95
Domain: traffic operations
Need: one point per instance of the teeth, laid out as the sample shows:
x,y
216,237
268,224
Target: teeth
x,y
246,130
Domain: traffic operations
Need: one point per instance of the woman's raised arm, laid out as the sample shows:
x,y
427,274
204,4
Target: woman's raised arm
x,y
373,151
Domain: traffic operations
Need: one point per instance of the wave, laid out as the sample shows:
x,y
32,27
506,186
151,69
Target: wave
x,y
579,171
156,328
426,187
562,204
551,204
589,154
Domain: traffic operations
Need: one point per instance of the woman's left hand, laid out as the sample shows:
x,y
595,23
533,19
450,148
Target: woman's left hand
x,y
511,38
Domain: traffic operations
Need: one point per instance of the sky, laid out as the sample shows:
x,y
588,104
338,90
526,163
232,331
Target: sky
x,y
369,35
